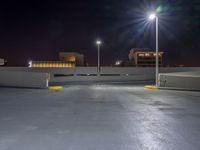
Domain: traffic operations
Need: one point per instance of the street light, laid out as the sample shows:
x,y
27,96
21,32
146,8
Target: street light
x,y
98,42
153,16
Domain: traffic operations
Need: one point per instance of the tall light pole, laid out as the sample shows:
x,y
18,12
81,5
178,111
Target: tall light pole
x,y
155,17
98,42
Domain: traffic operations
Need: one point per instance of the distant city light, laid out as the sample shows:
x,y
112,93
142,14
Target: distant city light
x,y
117,63
30,63
152,16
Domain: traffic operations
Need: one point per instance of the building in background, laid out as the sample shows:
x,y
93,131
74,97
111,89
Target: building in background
x,y
66,60
76,58
143,57
51,64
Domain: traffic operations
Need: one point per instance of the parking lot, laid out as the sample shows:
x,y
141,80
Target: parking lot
x,y
99,117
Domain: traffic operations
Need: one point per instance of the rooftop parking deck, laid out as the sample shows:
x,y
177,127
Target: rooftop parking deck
x,y
99,117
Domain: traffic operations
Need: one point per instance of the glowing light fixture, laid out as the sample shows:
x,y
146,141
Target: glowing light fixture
x,y
98,42
152,16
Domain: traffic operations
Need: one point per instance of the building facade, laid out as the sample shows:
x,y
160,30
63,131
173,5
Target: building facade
x,y
143,57
66,60
51,64
76,58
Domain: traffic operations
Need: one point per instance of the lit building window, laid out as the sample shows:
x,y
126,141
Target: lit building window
x,y
46,64
147,54
141,55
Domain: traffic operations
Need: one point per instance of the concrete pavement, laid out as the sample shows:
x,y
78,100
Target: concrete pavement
x,y
99,117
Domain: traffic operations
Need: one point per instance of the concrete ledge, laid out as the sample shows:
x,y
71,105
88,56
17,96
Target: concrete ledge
x,y
24,79
180,81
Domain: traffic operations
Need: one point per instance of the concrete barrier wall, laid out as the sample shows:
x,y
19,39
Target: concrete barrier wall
x,y
100,78
107,70
182,80
23,79
107,73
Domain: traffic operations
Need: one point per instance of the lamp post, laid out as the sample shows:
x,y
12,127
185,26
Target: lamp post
x,y
98,42
155,17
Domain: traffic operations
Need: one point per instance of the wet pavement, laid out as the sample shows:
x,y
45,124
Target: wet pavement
x,y
99,117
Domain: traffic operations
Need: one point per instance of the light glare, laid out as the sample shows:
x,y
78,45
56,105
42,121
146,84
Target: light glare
x,y
152,16
98,42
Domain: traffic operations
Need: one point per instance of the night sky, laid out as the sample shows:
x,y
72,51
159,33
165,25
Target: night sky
x,y
38,30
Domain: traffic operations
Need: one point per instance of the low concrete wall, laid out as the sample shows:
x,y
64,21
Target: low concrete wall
x,y
100,78
182,80
24,79
107,73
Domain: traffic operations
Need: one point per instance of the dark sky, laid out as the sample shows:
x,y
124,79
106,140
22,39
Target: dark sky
x,y
38,30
